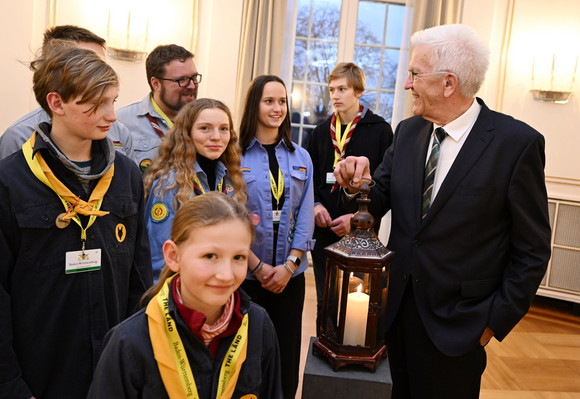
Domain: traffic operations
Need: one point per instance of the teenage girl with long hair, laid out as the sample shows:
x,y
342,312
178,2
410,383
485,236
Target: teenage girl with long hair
x,y
199,154
278,174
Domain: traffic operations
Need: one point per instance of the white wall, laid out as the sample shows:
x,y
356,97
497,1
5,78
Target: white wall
x,y
216,55
17,97
534,21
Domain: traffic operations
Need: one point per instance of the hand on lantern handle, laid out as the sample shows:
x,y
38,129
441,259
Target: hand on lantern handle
x,y
350,171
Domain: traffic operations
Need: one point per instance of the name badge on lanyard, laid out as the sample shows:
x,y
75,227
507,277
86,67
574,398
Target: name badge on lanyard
x,y
83,261
330,178
276,216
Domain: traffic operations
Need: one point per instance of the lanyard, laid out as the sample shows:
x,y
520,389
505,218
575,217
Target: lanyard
x,y
340,141
277,189
72,203
170,353
198,188
160,112
155,125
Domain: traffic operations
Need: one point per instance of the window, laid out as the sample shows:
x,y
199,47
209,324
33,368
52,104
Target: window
x,y
327,33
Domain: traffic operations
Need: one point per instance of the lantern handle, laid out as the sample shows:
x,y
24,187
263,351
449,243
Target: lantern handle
x,y
365,185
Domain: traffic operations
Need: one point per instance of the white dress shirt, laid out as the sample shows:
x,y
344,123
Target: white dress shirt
x,y
457,132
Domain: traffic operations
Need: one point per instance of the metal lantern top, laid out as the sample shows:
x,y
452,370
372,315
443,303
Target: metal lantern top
x,y
361,241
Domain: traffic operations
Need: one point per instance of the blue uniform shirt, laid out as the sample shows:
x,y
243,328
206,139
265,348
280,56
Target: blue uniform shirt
x,y
146,141
297,218
160,210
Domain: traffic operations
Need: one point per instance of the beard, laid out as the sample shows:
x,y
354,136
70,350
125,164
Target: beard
x,y
177,104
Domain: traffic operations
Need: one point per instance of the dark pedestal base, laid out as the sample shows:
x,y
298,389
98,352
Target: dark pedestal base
x,y
351,381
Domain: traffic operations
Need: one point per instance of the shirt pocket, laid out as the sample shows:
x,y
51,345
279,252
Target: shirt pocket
x,y
249,177
43,245
299,178
121,224
39,215
146,145
250,378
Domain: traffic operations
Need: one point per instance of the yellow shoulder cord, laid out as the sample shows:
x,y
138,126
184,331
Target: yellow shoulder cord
x,y
71,202
277,189
170,353
160,112
340,138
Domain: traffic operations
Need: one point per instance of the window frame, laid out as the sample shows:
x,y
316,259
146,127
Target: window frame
x,y
345,52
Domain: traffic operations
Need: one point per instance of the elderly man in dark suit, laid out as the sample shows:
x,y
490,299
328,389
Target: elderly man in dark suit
x,y
470,225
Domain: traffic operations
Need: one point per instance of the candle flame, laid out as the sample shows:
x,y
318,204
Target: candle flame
x,y
351,273
359,288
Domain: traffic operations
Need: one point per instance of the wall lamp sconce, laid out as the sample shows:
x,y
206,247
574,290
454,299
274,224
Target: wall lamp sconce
x,y
553,82
127,35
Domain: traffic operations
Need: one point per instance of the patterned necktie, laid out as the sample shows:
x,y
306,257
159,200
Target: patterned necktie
x,y
430,170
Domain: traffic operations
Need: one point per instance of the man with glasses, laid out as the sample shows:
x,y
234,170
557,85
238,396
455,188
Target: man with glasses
x,y
173,79
470,226
21,130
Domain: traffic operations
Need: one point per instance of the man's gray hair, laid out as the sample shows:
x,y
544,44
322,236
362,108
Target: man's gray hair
x,y
458,49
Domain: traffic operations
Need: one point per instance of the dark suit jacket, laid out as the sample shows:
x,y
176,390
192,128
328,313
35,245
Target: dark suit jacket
x,y
478,257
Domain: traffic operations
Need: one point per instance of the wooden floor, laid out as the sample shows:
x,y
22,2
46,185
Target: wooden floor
x,y
539,359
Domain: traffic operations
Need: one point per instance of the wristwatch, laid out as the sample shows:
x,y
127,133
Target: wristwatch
x,y
294,259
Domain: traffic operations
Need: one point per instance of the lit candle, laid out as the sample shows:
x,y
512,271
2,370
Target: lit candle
x,y
353,283
355,325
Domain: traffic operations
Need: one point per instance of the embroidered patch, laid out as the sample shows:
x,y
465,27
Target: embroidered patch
x,y
159,212
300,168
229,188
254,218
245,170
117,143
120,232
144,164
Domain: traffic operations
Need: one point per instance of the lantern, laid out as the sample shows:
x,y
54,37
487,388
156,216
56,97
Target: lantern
x,y
355,294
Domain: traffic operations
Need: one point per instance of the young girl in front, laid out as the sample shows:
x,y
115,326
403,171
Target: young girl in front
x,y
199,335
278,174
199,154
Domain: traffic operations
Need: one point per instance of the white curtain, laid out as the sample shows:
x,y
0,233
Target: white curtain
x,y
261,45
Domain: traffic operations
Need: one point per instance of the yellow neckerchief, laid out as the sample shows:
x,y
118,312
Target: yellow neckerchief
x,y
160,112
277,189
171,357
340,139
73,205
198,185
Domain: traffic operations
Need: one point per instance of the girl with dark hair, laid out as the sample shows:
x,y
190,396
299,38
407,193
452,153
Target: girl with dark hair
x,y
278,174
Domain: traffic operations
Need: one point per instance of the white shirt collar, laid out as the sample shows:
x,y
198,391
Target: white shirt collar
x,y
463,124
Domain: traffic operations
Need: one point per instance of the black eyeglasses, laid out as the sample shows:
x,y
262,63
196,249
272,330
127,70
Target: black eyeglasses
x,y
184,82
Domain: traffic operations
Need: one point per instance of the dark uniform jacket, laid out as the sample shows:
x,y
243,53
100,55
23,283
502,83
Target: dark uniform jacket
x,y
52,324
128,368
371,138
479,255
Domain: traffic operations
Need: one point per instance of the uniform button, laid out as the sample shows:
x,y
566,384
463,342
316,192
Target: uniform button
x,y
45,218
404,277
417,243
